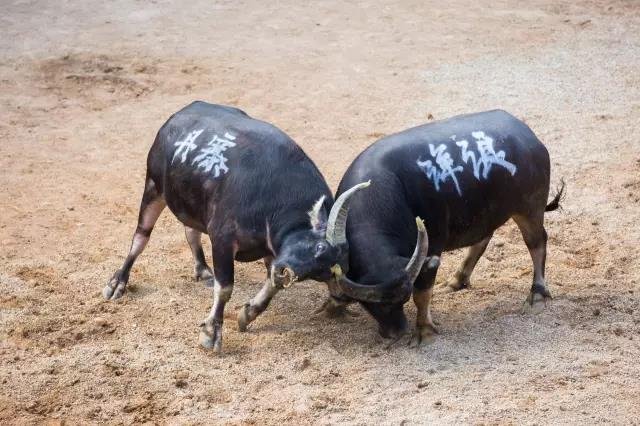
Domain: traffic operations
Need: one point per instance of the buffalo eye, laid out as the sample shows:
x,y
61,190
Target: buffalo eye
x,y
321,248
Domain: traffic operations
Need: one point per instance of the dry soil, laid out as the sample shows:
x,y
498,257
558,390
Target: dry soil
x,y
84,86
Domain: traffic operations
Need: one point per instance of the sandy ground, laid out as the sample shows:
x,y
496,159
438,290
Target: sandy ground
x,y
84,86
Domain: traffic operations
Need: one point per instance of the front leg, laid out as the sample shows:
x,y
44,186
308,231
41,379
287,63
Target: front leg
x,y
422,296
335,305
211,328
259,303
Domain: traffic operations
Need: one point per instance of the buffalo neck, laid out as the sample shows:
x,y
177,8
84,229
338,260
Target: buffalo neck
x,y
284,227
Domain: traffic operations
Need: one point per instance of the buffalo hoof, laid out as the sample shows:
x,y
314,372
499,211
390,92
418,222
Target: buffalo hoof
x,y
204,273
536,302
394,337
454,284
211,337
422,334
333,308
244,317
115,288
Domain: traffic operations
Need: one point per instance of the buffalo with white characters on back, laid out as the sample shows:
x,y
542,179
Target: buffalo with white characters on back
x,y
465,176
256,194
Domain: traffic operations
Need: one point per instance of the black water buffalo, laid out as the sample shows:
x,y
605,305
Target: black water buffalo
x,y
465,176
254,192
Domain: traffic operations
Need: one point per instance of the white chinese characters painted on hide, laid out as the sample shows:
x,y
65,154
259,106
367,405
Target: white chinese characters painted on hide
x,y
209,156
186,145
443,169
481,162
487,155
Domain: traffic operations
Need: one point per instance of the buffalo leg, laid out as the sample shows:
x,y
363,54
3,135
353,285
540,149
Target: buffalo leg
x,y
335,307
201,269
150,208
259,302
461,279
535,237
211,328
422,297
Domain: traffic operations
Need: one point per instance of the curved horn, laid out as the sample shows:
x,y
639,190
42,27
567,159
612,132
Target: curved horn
x,y
419,253
393,291
337,222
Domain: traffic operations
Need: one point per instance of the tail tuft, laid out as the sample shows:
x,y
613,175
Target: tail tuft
x,y
555,203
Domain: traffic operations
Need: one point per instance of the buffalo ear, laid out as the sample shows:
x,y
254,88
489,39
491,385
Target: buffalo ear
x,y
318,217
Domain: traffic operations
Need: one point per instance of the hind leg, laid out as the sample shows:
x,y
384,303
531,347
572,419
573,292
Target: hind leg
x,y
201,270
461,278
150,208
535,237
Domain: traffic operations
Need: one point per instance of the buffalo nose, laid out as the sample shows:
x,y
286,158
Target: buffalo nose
x,y
278,270
283,276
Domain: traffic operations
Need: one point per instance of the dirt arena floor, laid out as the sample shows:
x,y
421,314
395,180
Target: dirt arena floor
x,y
84,86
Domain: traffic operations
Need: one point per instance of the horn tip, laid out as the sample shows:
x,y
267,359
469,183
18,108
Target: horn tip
x,y
336,270
420,224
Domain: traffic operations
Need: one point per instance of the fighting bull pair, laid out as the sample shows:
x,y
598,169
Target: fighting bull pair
x,y
257,195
